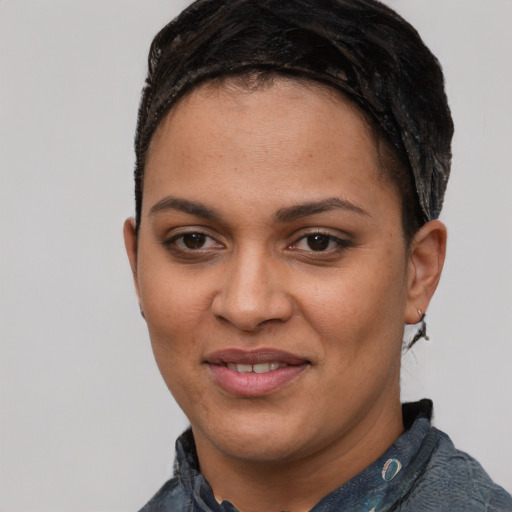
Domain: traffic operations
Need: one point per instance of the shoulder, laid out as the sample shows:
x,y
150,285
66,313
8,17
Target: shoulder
x,y
171,496
454,481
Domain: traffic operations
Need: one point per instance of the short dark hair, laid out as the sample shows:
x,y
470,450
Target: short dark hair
x,y
360,47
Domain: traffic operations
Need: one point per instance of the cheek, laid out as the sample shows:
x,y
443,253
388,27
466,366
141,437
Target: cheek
x,y
174,317
174,298
173,320
359,308
176,306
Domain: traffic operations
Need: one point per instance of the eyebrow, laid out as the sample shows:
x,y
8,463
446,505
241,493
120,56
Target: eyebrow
x,y
311,208
184,205
287,214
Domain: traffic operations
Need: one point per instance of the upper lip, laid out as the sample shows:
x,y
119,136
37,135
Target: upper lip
x,y
262,355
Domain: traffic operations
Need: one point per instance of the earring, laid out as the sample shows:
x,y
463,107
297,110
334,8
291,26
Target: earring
x,y
142,314
422,332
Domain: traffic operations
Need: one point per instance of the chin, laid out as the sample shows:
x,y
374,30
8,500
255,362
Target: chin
x,y
258,439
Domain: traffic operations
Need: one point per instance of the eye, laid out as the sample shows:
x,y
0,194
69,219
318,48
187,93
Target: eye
x,y
319,242
192,241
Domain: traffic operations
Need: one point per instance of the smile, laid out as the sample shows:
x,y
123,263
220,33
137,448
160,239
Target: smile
x,y
256,368
255,372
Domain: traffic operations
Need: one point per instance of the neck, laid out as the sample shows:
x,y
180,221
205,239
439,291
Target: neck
x,y
299,483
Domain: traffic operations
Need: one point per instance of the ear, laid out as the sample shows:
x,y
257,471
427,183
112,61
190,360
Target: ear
x,y
426,260
130,243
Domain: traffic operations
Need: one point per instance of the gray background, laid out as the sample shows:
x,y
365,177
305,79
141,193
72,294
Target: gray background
x,y
86,422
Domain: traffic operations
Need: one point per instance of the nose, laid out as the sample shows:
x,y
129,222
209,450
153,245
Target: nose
x,y
253,293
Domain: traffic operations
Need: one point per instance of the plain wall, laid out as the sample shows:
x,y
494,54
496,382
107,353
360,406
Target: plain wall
x,y
86,421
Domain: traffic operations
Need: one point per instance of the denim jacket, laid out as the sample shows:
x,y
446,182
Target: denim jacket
x,y
421,472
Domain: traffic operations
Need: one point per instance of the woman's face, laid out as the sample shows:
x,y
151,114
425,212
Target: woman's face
x,y
272,271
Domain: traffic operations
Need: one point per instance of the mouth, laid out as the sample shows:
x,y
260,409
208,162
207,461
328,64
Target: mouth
x,y
256,368
255,373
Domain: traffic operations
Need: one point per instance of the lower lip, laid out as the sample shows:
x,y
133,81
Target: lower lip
x,y
255,384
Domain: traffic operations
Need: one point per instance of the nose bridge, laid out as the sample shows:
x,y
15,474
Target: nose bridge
x,y
253,290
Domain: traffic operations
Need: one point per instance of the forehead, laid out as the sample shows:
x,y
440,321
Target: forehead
x,y
295,137
243,84
213,99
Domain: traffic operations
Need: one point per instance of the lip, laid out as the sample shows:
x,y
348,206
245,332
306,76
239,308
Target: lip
x,y
262,355
254,384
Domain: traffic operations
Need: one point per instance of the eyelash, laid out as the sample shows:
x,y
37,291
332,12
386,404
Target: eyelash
x,y
340,243
172,244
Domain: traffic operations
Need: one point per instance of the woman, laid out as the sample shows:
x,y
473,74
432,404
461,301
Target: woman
x,y
292,159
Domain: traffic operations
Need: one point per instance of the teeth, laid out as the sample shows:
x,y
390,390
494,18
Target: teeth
x,y
256,368
261,368
244,368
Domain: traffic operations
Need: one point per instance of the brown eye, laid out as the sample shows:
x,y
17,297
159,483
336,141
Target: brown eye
x,y
318,242
192,243
322,243
194,240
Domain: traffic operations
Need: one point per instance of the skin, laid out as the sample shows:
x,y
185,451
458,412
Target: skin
x,y
256,283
